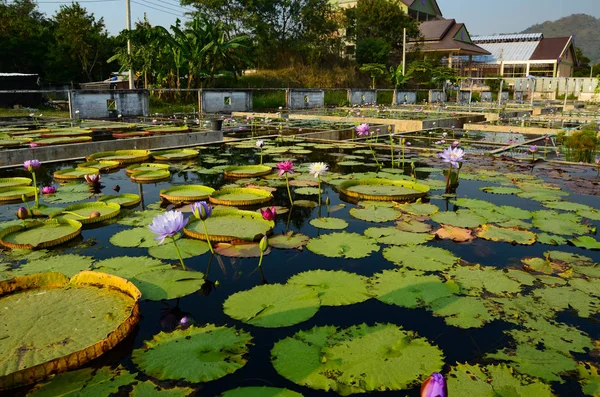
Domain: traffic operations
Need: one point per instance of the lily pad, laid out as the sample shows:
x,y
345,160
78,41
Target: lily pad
x,y
245,250
260,391
242,196
175,154
474,280
380,189
462,311
343,245
289,240
69,174
146,167
586,242
139,237
394,236
195,354
500,190
246,171
456,234
512,236
230,224
149,389
122,156
375,213
75,320
418,208
150,176
124,200
35,235
81,212
273,305
335,288
102,166
421,257
460,218
329,223
308,191
13,193
186,193
69,193
11,182
188,248
67,264
358,359
558,223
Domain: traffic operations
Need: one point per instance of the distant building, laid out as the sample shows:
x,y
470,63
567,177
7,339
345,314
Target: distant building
x,y
421,10
20,81
522,55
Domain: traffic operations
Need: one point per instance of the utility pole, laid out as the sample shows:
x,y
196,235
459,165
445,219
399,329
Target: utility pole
x,y
404,53
128,16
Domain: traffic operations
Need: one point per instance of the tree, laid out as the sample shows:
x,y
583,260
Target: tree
x,y
374,70
373,50
82,39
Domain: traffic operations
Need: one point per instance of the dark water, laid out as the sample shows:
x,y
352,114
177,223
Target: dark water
x,y
238,274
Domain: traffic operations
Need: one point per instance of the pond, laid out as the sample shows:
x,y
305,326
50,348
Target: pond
x,y
493,282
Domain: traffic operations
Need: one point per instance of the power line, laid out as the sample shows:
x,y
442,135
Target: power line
x,y
173,3
157,9
163,6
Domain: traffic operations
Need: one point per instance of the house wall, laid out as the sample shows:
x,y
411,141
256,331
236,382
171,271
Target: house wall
x,y
97,104
226,101
304,98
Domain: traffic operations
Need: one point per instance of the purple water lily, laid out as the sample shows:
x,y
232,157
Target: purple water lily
x,y
167,225
48,190
201,210
434,386
362,129
32,165
452,155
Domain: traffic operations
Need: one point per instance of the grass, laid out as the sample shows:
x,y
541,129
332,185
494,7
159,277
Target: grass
x,y
46,112
336,98
385,97
268,99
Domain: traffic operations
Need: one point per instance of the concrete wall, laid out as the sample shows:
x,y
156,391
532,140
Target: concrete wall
x,y
486,96
437,96
406,97
97,104
226,101
301,98
511,128
14,157
362,97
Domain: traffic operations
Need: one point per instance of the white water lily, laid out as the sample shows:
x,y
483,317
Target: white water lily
x,y
318,169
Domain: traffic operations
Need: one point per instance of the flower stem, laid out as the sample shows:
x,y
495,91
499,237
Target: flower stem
x,y
319,180
448,178
392,149
287,184
212,251
178,253
261,156
37,199
260,260
374,155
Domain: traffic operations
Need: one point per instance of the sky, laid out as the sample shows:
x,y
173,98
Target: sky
x,y
482,17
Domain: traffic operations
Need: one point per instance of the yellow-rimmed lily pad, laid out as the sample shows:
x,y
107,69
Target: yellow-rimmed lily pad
x,y
150,176
74,320
378,189
146,167
14,142
82,212
62,140
246,171
175,155
186,193
40,234
66,132
74,173
10,182
122,156
124,200
229,224
103,166
509,235
167,129
241,196
12,193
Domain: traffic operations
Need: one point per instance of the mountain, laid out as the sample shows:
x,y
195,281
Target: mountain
x,y
584,27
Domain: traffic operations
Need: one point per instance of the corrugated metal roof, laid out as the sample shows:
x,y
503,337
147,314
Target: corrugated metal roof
x,y
17,74
509,52
508,37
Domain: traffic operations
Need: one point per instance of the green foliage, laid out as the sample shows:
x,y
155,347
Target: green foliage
x,y
373,50
581,145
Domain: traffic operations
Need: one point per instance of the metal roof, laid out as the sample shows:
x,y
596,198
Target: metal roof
x,y
503,38
17,74
508,52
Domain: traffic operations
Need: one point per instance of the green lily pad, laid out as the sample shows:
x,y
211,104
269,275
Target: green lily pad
x,y
129,266
230,224
500,190
122,156
85,382
11,182
241,196
150,176
472,203
550,239
307,191
186,193
289,240
558,223
463,311
593,215
138,218
473,280
383,189
196,354
358,359
335,288
418,208
81,212
329,223
394,236
139,237
124,200
568,206
586,242
246,250
564,297
102,166
413,225
493,381
273,305
460,218
39,234
375,213
75,173
12,193
260,391
67,264
410,289
175,154
343,245
512,236
149,389
146,167
246,171
421,257
69,193
589,376
188,248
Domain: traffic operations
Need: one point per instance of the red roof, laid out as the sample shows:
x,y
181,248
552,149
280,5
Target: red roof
x,y
439,36
550,48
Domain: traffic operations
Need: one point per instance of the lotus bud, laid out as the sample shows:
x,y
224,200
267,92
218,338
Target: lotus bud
x,y
23,198
95,214
22,213
434,386
264,244
327,201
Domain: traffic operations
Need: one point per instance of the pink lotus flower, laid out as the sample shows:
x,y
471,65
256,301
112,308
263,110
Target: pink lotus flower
x,y
269,213
362,129
434,386
285,167
48,190
32,165
33,145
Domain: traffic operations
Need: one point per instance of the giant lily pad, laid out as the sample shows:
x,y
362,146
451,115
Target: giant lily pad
x,y
10,182
68,264
69,174
150,176
196,354
229,224
81,212
74,321
35,235
103,166
358,359
175,154
394,236
335,288
122,156
124,200
146,167
242,196
273,305
246,171
186,193
379,189
12,193
343,245
62,140
513,236
69,193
